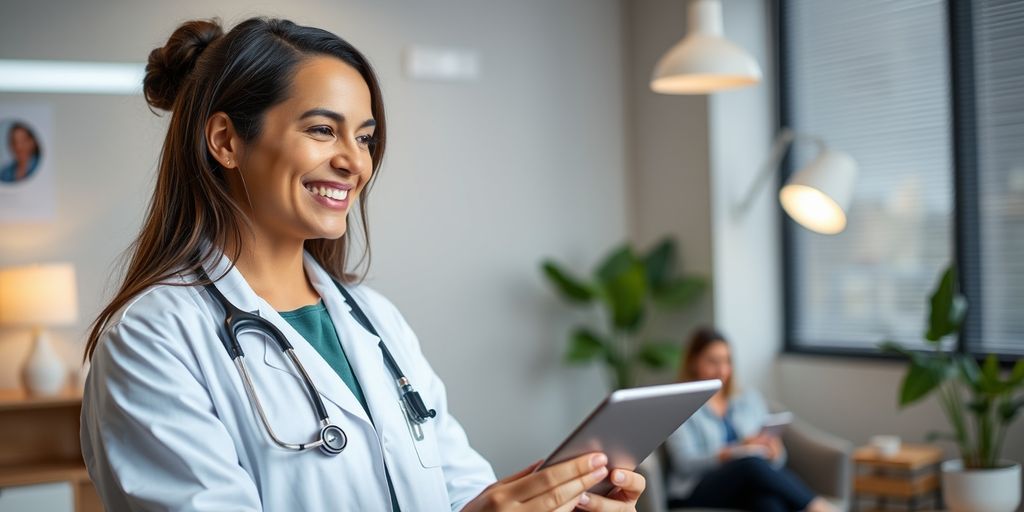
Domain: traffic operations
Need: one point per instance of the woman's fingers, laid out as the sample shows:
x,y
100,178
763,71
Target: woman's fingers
x,y
602,504
552,477
568,493
629,487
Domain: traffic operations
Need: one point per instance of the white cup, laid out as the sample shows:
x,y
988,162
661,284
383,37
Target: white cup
x,y
886,446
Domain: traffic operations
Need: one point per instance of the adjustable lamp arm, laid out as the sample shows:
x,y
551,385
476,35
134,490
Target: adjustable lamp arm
x,y
783,141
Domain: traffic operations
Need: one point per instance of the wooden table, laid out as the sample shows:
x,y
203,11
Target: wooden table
x,y
910,476
39,444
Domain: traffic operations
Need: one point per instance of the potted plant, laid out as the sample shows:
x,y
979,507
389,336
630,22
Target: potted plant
x,y
623,287
979,402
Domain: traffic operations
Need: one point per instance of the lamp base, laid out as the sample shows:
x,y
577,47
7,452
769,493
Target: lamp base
x,y
44,373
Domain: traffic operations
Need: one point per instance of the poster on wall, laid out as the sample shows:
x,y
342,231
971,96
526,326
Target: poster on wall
x,y
27,183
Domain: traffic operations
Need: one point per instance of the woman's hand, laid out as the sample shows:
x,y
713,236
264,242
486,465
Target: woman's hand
x,y
771,444
561,488
628,488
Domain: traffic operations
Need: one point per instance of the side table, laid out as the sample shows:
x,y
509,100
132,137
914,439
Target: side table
x,y
910,477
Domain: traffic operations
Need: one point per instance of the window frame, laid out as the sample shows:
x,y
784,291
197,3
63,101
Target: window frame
x,y
966,218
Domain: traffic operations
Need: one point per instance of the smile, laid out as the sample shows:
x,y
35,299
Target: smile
x,y
337,194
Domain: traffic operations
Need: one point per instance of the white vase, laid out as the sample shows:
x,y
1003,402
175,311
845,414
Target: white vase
x,y
44,371
981,490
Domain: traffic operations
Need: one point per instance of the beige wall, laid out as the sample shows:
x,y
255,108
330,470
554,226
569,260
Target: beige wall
x,y
668,171
482,180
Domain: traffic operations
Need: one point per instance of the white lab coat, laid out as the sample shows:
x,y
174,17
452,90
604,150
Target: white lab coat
x,y
166,424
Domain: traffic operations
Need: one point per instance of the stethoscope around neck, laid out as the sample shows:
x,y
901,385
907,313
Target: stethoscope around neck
x,y
331,439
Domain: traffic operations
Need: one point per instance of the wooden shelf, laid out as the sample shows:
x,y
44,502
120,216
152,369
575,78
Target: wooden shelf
x,y
19,400
39,443
43,473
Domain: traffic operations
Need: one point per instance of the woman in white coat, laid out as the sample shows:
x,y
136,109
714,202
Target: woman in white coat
x,y
276,129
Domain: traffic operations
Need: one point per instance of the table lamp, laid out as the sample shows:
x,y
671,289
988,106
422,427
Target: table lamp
x,y
40,296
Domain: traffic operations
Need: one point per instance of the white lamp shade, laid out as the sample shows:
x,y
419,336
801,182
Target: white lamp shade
x,y
704,61
38,295
818,195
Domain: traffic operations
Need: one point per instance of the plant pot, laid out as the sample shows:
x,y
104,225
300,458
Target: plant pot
x,y
981,490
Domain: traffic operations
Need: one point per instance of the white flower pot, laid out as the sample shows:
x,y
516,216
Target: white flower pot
x,y
981,490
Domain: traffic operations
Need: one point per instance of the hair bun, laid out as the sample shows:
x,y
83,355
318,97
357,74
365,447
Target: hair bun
x,y
171,64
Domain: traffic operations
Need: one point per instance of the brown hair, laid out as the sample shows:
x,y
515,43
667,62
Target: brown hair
x,y
18,125
700,340
201,71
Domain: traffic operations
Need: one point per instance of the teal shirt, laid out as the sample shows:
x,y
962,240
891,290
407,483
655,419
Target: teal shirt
x,y
314,323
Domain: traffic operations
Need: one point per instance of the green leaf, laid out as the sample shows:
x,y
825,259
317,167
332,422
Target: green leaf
x,y
948,308
1008,410
990,381
626,294
660,263
971,372
618,261
584,346
624,282
922,378
980,406
680,292
1017,375
662,354
571,288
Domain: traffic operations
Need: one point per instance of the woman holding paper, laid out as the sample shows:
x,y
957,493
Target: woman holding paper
x,y
722,457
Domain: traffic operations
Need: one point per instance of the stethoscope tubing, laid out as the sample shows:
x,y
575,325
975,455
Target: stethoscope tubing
x,y
332,439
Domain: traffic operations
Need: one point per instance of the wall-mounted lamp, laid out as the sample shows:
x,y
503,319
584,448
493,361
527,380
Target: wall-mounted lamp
x,y
704,61
40,296
818,195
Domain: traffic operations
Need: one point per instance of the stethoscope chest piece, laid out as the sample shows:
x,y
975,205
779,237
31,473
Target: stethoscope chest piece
x,y
333,439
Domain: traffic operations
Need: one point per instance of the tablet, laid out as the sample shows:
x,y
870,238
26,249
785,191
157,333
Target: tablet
x,y
776,424
630,423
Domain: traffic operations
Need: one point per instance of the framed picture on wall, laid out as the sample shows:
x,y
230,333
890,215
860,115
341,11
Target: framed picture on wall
x,y
26,172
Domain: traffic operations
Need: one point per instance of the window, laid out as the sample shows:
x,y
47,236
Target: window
x,y
997,262
928,97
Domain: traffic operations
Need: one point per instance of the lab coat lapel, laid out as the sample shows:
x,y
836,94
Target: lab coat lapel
x,y
328,383
360,346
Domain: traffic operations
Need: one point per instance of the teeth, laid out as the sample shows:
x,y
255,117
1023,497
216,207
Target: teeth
x,y
332,193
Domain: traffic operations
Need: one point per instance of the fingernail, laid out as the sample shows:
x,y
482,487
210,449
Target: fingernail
x,y
584,499
598,460
599,472
619,477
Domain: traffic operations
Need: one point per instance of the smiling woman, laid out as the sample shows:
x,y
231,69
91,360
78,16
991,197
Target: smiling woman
x,y
277,132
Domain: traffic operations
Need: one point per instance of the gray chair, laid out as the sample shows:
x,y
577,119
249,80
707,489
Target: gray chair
x,y
822,460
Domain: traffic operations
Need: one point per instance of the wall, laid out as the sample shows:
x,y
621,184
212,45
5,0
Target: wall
x,y
746,247
482,180
669,182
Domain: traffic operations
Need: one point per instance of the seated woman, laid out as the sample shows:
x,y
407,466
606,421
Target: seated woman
x,y
719,458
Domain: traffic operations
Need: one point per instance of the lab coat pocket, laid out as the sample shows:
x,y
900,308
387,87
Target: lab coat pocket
x,y
424,440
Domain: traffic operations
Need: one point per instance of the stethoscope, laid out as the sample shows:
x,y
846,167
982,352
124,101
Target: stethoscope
x,y
332,439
